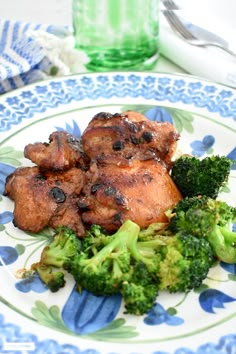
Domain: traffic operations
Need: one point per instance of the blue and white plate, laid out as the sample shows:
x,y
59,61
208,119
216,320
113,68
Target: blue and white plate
x,y
33,320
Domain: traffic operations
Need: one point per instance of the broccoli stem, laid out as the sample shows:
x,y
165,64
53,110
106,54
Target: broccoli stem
x,y
126,238
127,235
229,236
54,280
148,248
116,269
223,242
54,254
53,257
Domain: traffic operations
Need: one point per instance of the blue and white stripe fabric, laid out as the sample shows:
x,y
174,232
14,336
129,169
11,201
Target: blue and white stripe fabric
x,y
22,59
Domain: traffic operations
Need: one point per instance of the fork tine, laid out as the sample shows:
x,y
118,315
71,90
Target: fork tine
x,y
180,29
177,25
169,4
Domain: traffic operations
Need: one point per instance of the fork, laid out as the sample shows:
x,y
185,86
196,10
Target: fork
x,y
179,28
170,5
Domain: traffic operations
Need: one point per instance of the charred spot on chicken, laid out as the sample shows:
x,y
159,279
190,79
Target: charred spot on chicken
x,y
117,170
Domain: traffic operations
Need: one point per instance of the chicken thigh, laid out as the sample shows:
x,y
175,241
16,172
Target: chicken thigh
x,y
45,198
62,152
129,189
129,135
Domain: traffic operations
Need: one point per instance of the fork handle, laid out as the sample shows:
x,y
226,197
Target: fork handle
x,y
218,46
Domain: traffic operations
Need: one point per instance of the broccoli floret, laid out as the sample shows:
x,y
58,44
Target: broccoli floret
x,y
208,218
113,268
60,251
140,292
195,177
184,260
59,254
153,229
94,239
137,265
53,279
186,264
100,266
179,215
108,258
138,299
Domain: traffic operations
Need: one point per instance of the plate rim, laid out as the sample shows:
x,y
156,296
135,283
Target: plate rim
x,y
190,77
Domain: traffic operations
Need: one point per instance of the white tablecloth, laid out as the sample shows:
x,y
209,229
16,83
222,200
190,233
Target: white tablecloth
x,y
57,12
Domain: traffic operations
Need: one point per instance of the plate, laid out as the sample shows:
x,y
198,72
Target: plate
x,y
34,320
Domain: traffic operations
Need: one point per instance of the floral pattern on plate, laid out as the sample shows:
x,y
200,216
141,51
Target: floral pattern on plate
x,y
205,116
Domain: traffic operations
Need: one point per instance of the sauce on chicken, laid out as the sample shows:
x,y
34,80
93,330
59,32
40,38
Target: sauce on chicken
x,y
117,170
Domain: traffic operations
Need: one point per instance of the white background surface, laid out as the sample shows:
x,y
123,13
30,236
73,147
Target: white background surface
x,y
59,11
56,12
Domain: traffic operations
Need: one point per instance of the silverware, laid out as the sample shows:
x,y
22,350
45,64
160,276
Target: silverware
x,y
170,5
200,32
201,39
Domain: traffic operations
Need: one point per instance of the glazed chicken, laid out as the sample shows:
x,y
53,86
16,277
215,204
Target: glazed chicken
x,y
132,189
62,152
129,174
118,170
45,198
129,135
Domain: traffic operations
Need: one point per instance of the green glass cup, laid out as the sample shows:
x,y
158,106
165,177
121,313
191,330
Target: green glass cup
x,y
117,34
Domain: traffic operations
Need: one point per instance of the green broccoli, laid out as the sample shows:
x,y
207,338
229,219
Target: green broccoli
x,y
208,218
195,177
58,254
184,260
138,268
108,257
138,299
114,266
95,237
53,279
140,289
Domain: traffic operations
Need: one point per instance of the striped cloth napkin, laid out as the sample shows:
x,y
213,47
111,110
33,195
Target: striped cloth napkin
x,y
33,52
